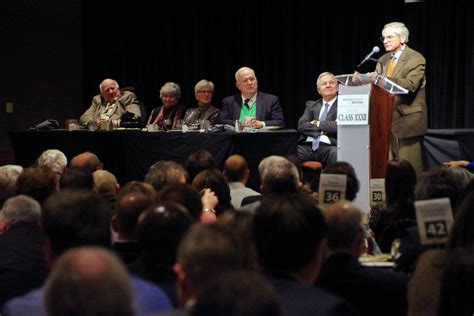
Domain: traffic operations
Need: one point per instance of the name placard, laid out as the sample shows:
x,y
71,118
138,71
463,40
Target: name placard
x,y
332,188
434,219
377,192
353,109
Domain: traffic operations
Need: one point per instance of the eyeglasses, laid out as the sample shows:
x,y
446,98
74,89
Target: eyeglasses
x,y
388,38
205,91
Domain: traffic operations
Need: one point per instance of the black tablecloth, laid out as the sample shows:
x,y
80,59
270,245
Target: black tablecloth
x,y
129,154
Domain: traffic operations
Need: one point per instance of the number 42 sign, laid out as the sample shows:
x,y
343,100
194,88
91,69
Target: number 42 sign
x,y
434,218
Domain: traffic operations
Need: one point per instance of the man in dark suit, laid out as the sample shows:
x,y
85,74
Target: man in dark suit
x,y
289,233
317,126
256,109
371,290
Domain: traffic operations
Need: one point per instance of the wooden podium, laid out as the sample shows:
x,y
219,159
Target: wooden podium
x,y
364,129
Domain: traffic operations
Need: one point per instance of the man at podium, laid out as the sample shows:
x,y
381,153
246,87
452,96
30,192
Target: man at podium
x,y
317,126
405,67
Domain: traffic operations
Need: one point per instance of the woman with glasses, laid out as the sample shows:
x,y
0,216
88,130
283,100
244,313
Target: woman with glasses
x,y
203,91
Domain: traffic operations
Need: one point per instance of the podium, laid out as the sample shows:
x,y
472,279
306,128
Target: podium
x,y
364,121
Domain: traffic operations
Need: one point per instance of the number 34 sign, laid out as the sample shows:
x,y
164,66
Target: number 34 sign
x,y
434,218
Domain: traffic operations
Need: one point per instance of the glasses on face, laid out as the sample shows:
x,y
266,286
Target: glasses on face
x,y
205,92
329,82
388,38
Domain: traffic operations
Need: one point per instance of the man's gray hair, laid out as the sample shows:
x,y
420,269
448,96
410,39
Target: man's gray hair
x,y
278,175
54,159
21,208
399,28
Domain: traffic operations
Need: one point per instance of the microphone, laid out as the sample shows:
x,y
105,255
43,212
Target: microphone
x,y
376,49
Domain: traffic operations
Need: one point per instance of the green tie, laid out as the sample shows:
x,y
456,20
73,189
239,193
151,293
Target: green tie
x,y
246,103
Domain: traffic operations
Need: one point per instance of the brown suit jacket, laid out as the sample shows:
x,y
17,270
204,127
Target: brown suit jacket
x,y
409,113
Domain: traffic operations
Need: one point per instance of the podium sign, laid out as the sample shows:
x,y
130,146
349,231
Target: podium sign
x,y
353,109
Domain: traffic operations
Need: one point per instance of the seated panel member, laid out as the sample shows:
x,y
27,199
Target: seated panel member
x,y
258,109
203,92
317,126
111,104
171,110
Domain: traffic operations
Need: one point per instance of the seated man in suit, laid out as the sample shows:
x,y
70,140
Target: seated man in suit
x,y
111,104
317,126
371,290
256,109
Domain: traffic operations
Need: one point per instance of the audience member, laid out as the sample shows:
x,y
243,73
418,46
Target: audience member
x,y
198,161
317,126
205,252
80,275
387,222
278,176
203,92
352,182
256,109
166,115
237,173
160,229
8,176
106,185
238,293
162,173
73,219
138,187
87,160
54,159
124,223
371,290
77,178
289,233
111,104
37,182
214,180
22,264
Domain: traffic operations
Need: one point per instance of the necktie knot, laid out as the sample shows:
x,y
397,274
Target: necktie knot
x,y
324,114
246,103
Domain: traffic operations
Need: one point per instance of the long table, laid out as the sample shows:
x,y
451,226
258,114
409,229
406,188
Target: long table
x,y
129,154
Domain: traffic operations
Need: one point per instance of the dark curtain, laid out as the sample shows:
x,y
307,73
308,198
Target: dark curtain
x,y
288,44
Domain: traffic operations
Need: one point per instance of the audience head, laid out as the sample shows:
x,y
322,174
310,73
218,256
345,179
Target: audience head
x,y
342,167
236,169
75,218
139,187
241,223
8,176
203,92
238,293
204,253
289,233
400,181
198,161
19,209
106,185
345,230
215,180
170,93
278,175
185,195
160,229
461,232
246,82
89,281
77,178
127,210
457,284
54,159
109,89
86,160
441,182
37,182
162,173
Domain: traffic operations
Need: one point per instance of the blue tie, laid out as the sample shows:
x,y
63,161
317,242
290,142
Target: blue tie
x,y
322,117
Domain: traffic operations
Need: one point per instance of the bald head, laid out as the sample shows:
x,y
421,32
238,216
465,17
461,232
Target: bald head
x,y
344,223
236,169
86,160
127,210
79,275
